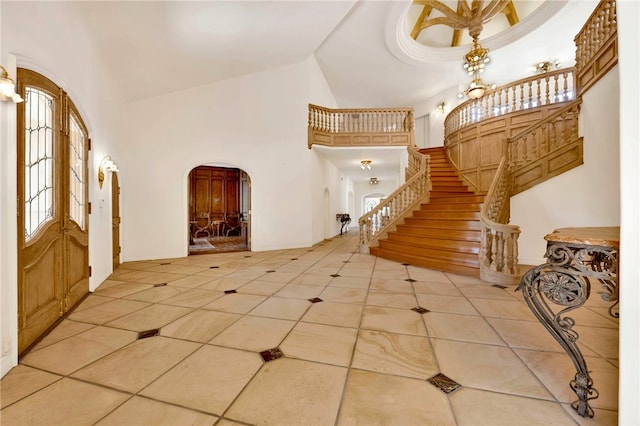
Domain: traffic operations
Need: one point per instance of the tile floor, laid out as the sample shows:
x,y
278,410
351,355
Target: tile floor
x,y
319,336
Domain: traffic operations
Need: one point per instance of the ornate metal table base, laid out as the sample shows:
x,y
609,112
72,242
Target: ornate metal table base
x,y
575,256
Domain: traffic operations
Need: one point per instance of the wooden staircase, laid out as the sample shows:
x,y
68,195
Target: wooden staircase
x,y
444,234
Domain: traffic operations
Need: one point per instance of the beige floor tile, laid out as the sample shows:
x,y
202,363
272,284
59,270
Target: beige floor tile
x,y
356,270
136,275
603,341
379,399
466,328
65,329
343,295
440,288
556,370
396,354
236,303
246,273
393,320
122,290
493,308
264,288
341,314
486,291
449,304
154,316
92,300
279,277
321,343
476,407
107,311
191,281
132,368
283,308
22,381
208,380
312,279
350,282
300,291
199,326
142,411
392,300
254,333
389,285
492,368
226,283
291,392
225,422
156,294
193,298
525,334
64,403
427,275
159,278
73,353
395,273
137,265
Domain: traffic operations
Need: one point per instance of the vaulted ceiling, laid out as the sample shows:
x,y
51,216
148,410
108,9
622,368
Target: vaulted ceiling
x,y
364,47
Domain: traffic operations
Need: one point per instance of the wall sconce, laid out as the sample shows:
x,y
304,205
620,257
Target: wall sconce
x,y
546,66
441,107
8,88
365,164
373,181
107,165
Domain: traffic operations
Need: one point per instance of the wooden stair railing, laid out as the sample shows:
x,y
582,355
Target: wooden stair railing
x,y
525,164
499,244
400,203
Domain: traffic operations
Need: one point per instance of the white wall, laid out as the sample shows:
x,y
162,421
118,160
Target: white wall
x,y
628,35
46,37
585,196
362,189
433,125
257,123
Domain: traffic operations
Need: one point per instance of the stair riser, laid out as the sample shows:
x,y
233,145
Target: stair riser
x,y
434,243
466,207
451,215
469,259
442,197
454,234
444,224
436,264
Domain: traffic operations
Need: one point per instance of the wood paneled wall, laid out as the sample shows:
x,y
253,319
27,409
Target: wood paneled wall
x,y
215,190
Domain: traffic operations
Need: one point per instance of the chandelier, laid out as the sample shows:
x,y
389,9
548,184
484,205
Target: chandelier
x,y
474,62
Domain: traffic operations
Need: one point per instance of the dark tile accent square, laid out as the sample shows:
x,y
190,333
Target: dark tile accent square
x,y
213,267
148,333
160,285
334,275
499,286
166,263
346,261
270,271
411,280
229,291
271,354
444,383
247,256
315,300
294,258
406,264
420,310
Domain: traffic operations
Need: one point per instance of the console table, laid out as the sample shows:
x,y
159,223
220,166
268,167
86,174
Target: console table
x,y
576,257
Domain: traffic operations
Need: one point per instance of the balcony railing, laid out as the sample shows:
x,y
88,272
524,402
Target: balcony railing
x,y
544,89
360,127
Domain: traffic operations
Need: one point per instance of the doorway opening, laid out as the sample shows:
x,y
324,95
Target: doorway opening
x,y
219,210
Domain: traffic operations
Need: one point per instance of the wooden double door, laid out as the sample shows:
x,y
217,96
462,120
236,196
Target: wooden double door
x,y
53,206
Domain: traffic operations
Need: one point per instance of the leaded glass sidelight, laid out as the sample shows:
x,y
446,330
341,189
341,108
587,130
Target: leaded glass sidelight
x,y
38,160
77,178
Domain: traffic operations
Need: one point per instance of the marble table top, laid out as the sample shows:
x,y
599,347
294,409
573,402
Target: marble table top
x,y
595,236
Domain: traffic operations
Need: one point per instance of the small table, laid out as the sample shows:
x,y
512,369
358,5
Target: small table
x,y
575,256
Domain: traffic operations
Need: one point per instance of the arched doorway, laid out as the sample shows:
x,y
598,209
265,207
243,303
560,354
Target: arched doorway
x,y
219,210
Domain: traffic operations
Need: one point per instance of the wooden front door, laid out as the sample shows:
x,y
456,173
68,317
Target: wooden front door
x,y
115,219
53,260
